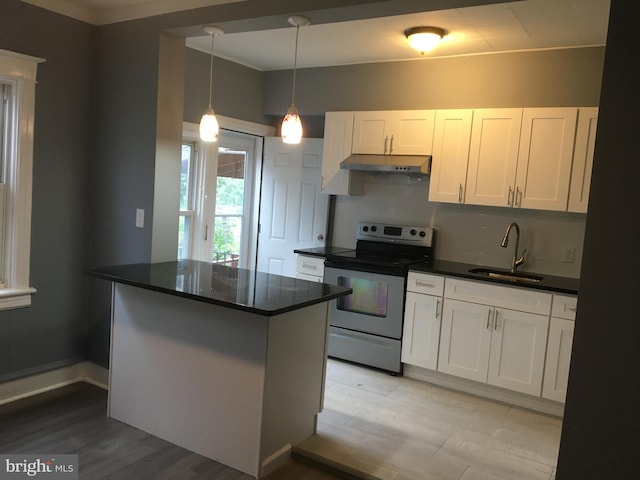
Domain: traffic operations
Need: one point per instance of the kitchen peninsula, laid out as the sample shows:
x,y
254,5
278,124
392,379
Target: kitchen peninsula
x,y
226,362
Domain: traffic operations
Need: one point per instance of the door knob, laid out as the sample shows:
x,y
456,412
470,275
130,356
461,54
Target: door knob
x,y
320,237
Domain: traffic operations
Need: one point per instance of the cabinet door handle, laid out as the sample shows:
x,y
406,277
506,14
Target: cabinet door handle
x,y
489,319
309,266
391,146
385,144
572,308
510,198
495,319
437,308
206,231
422,283
518,199
460,194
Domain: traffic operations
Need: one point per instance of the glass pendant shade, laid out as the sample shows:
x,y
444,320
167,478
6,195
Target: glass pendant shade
x,y
291,129
209,127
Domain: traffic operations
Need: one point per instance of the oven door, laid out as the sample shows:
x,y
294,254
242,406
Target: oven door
x,y
375,306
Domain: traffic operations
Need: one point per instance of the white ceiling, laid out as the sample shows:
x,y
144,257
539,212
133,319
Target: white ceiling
x,y
517,26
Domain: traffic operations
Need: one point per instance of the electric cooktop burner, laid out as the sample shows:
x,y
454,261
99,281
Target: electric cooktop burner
x,y
382,247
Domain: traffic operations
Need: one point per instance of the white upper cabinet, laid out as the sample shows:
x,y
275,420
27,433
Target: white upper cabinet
x,y
545,157
583,160
404,132
451,138
493,156
338,134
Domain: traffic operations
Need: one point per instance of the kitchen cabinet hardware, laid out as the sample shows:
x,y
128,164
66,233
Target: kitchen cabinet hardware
x,y
477,342
460,194
583,160
310,268
422,319
398,132
338,133
510,197
518,197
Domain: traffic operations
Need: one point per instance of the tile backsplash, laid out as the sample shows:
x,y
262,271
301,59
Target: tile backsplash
x,y
466,233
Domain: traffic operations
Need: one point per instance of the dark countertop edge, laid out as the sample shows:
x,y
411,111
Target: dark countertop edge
x,y
321,252
213,301
550,283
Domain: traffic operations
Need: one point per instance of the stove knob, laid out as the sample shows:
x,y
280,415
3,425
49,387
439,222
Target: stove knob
x,y
365,229
423,233
413,231
373,228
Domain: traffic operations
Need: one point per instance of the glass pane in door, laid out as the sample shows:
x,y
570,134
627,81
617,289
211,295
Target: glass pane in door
x,y
229,213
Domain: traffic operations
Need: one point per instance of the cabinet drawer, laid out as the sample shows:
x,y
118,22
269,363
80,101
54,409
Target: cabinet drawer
x,y
564,307
310,265
425,283
521,299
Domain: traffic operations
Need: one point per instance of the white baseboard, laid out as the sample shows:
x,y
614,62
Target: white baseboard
x,y
42,382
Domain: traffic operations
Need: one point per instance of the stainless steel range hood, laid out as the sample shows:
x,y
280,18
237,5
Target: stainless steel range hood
x,y
413,165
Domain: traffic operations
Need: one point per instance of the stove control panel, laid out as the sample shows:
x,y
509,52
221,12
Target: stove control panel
x,y
405,234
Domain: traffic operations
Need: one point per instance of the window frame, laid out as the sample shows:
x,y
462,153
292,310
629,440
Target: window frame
x,y
18,71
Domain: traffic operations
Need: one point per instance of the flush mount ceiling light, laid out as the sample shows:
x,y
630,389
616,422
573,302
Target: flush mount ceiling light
x,y
291,129
424,39
209,127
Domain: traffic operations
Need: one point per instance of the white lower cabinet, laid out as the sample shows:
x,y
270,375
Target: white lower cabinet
x,y
487,342
310,268
556,370
421,334
422,313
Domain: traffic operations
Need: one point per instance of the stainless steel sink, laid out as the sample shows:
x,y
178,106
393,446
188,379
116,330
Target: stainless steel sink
x,y
507,275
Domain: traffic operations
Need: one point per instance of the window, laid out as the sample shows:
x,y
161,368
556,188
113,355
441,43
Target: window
x,y
219,179
17,99
187,198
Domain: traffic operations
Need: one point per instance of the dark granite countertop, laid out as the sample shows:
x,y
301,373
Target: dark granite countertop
x,y
455,269
236,288
321,251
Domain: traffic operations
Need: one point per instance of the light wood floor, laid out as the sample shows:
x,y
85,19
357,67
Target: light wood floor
x,y
395,428
374,426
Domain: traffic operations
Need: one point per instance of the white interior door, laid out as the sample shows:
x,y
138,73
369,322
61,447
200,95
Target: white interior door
x,y
293,211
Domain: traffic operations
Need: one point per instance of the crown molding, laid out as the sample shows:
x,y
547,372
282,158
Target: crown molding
x,y
91,11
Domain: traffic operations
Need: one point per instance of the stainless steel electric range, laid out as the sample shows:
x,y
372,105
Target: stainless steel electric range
x,y
366,326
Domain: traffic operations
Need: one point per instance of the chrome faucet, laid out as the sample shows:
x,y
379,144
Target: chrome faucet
x,y
505,241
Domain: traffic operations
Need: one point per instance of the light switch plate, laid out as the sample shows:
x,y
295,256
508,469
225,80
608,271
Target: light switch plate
x,y
139,217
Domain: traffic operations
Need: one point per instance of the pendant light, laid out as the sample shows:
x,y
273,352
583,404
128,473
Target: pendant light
x,y
291,129
209,127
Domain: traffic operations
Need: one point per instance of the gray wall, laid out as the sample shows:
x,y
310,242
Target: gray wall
x,y
528,79
53,330
231,81
601,418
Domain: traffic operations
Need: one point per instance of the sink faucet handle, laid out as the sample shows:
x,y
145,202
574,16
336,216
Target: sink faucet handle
x,y
521,260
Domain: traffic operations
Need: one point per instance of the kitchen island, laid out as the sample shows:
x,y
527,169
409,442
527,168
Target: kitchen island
x,y
228,363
